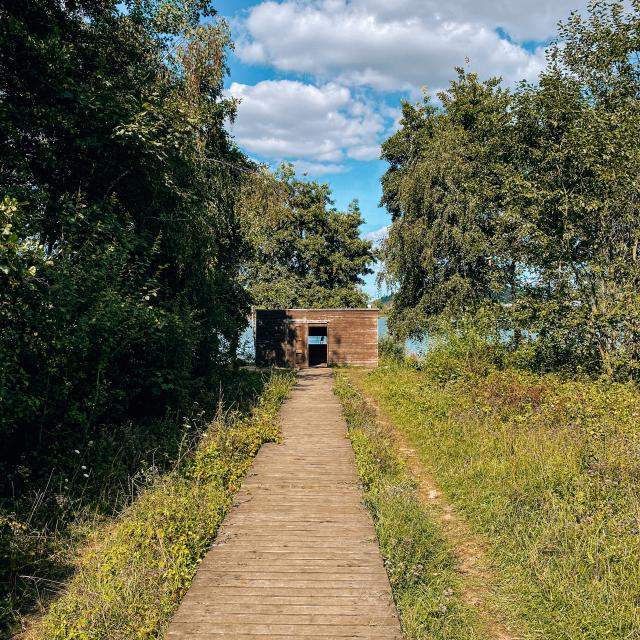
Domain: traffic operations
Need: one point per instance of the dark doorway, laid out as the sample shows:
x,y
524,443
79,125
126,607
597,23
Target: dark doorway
x,y
318,346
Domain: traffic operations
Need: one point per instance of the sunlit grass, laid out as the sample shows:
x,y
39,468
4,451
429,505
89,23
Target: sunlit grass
x,y
420,565
133,576
547,470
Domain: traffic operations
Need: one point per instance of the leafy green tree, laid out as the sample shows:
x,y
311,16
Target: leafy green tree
x,y
119,259
444,192
120,294
529,199
303,252
575,193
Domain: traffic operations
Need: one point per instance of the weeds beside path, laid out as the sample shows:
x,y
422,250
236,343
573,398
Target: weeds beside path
x,y
545,471
420,564
134,575
476,574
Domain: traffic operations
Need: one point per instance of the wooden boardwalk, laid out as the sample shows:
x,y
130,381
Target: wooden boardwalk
x,y
297,555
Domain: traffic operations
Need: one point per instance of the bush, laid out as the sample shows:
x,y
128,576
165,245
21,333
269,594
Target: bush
x,y
137,570
119,246
390,348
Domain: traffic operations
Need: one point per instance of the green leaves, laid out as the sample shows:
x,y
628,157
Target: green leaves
x,y
443,191
529,201
576,148
302,251
19,253
120,298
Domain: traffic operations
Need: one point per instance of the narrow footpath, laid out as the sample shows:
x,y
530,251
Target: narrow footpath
x,y
297,555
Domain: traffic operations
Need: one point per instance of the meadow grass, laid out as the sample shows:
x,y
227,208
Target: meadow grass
x,y
546,470
49,510
419,563
135,571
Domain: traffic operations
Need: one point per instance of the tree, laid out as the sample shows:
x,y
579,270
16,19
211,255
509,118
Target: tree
x,y
119,275
120,295
529,199
303,252
576,193
443,190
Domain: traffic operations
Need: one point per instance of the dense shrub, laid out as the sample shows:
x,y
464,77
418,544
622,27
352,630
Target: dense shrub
x,y
390,348
135,572
119,255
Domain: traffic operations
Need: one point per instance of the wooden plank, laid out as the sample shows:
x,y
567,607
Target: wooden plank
x,y
297,555
352,335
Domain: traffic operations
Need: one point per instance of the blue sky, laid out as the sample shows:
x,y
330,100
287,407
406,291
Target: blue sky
x,y
320,81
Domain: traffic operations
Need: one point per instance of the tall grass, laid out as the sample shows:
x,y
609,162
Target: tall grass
x,y
420,566
48,509
546,469
135,571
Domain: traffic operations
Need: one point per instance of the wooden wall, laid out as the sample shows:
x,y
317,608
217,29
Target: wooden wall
x,y
281,336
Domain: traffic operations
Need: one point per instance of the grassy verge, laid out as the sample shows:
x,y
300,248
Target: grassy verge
x,y
420,565
57,498
546,469
136,570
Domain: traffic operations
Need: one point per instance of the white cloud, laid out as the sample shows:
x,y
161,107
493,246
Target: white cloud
x,y
344,48
522,19
317,169
365,152
399,45
378,234
286,119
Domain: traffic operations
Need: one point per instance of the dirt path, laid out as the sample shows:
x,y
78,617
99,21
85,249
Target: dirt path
x,y
473,563
297,556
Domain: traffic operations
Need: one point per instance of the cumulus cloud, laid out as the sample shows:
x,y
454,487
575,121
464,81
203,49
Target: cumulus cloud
x,y
378,234
398,45
288,119
349,50
523,20
318,169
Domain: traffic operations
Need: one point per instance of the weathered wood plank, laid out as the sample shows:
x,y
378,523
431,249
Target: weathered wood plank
x,y
281,336
297,555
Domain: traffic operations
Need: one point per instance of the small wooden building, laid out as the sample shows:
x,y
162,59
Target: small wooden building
x,y
316,337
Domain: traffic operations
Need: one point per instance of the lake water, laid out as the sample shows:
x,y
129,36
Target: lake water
x,y
410,346
247,348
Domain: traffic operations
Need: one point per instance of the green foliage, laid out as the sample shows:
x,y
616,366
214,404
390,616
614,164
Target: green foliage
x,y
420,565
383,303
304,253
528,202
137,570
455,352
576,136
119,246
545,469
445,203
120,299
390,348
